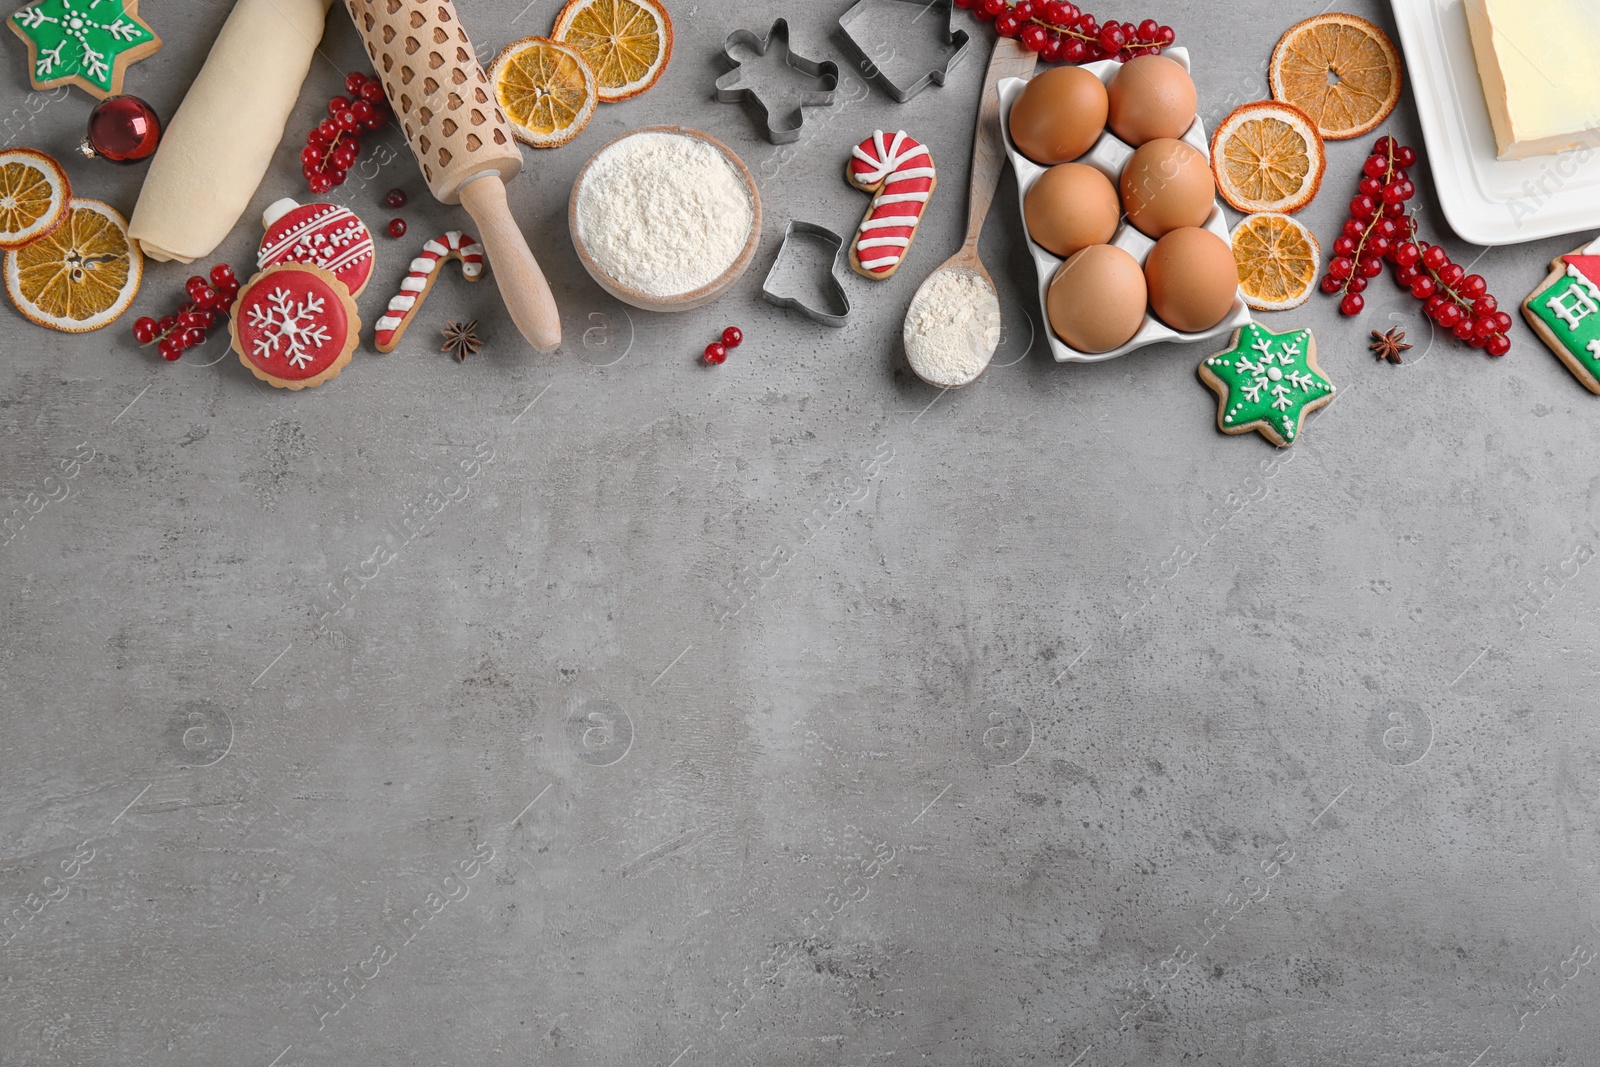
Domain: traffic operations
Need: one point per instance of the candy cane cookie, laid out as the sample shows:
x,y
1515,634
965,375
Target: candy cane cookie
x,y
900,175
424,272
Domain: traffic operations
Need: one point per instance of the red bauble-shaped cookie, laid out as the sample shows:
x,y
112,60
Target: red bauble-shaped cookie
x,y
324,235
294,325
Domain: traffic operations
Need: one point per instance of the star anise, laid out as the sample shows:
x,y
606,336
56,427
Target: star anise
x,y
460,340
1389,345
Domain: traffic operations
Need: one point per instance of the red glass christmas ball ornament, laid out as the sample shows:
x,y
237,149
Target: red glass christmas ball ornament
x,y
122,129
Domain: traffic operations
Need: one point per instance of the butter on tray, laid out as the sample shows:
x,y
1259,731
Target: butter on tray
x,y
1539,61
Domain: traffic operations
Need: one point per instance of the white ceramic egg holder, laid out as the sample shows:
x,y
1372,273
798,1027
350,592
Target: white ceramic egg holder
x,y
1109,155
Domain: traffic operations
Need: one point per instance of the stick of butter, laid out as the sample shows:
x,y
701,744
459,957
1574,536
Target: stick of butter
x,y
1539,61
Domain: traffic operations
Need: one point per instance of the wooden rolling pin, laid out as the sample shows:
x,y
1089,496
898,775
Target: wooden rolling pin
x,y
461,140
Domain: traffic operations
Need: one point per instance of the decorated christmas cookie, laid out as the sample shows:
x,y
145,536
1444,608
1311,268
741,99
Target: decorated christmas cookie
x,y
1267,381
323,235
87,43
1565,312
294,325
419,281
900,174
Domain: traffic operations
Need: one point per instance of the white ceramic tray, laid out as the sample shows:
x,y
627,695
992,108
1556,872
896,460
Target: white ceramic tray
x,y
1108,156
1486,200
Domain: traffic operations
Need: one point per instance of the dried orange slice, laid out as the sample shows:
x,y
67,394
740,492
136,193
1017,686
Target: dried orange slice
x,y
1278,261
627,42
547,90
1268,157
80,277
34,192
1341,70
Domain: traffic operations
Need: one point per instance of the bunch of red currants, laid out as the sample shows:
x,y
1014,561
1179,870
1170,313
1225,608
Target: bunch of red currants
x,y
208,304
1063,33
334,144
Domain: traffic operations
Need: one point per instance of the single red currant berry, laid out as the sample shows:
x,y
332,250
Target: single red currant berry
x,y
1352,304
354,83
1498,345
1435,257
1358,284
1149,29
397,227
1406,157
1033,37
1464,330
144,330
1473,286
1485,306
1051,52
372,92
716,354
733,337
1408,254
1502,321
1344,247
1008,24
395,198
170,349
1375,167
1342,267
338,104
1424,288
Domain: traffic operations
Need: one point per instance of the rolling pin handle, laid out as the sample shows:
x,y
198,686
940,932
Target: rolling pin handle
x,y
522,284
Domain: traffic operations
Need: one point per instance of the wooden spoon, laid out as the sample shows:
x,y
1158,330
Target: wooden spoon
x,y
965,347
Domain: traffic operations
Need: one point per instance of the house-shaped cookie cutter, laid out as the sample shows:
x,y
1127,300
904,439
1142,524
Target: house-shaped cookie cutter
x,y
730,91
836,275
872,52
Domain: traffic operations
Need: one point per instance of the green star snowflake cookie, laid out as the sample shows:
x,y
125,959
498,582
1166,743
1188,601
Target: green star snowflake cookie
x,y
1267,381
87,43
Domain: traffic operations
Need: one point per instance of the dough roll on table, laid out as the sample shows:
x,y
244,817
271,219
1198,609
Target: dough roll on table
x,y
221,140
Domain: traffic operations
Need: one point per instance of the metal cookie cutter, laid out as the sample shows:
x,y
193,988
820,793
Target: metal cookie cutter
x,y
875,50
731,90
835,273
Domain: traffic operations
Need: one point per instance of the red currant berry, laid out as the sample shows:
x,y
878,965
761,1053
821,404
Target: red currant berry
x,y
397,227
395,198
1452,273
1435,305
166,324
362,111
1341,267
1166,35
1074,51
1008,24
319,183
1407,254
347,121
1330,284
1502,321
1498,345
733,337
1485,306
1463,329
1370,187
354,83
372,93
1363,207
1370,267
1379,245
1473,286
1406,157
170,348
1424,288
336,105
1025,9
1435,257
1033,36
1344,246
1375,167
1149,29
144,330
1051,52
1406,277
1354,229
1358,284
716,354
1352,304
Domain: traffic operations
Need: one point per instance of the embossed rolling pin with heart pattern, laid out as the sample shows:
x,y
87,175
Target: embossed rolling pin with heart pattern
x,y
461,140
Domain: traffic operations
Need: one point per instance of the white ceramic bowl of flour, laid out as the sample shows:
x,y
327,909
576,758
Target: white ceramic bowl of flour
x,y
665,218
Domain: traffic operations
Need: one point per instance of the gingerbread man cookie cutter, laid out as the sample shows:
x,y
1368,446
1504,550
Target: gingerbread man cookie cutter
x,y
874,50
826,316
731,88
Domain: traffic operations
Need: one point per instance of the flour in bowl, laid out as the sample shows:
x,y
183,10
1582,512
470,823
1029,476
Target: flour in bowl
x,y
663,213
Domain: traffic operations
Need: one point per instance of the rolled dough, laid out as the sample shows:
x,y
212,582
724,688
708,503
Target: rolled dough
x,y
219,144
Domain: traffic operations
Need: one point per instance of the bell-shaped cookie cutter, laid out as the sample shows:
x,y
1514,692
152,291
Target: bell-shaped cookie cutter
x,y
836,274
872,53
730,91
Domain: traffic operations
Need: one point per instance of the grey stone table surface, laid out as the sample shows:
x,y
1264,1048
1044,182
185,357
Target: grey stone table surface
x,y
790,712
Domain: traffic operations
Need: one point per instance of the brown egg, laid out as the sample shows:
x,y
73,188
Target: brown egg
x,y
1071,207
1059,116
1192,278
1097,299
1167,184
1151,97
